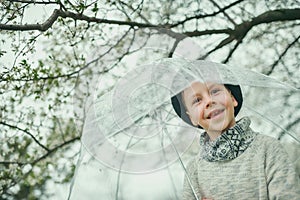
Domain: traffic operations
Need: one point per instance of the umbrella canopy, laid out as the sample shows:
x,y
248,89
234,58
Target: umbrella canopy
x,y
133,128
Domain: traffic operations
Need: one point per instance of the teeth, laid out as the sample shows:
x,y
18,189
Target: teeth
x,y
215,113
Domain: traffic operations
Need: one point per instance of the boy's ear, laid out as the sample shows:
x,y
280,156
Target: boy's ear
x,y
193,122
235,102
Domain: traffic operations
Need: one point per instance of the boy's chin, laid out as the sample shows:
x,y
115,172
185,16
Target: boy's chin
x,y
215,131
218,128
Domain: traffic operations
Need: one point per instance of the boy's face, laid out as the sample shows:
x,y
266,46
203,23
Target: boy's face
x,y
210,105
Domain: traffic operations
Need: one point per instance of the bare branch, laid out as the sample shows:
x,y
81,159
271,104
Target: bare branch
x,y
207,15
242,29
220,45
282,55
67,76
31,42
232,51
53,150
208,32
122,9
28,2
34,2
66,14
26,132
74,73
239,32
12,163
223,11
28,27
276,15
134,10
75,16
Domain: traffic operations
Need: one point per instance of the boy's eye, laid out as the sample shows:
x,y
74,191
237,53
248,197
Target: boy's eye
x,y
214,91
196,100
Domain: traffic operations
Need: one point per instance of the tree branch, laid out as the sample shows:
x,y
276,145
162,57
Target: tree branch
x,y
135,9
26,132
208,32
281,55
241,30
66,14
50,151
12,163
207,15
35,2
232,51
223,11
74,73
276,15
29,27
220,45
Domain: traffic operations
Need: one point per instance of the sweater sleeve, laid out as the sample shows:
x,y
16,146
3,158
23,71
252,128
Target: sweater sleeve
x,y
191,181
282,179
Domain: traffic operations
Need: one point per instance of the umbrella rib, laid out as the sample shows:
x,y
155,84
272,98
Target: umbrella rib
x,y
164,129
164,154
268,119
134,122
78,164
120,169
181,163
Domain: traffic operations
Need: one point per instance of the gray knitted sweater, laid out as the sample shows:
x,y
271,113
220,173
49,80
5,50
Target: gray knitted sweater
x,y
261,171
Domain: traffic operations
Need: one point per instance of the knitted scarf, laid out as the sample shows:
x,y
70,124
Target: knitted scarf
x,y
230,144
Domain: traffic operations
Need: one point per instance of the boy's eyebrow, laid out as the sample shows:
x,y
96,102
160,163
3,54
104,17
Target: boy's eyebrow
x,y
209,86
194,95
212,85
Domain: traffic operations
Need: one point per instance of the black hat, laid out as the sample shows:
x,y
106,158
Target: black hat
x,y
180,110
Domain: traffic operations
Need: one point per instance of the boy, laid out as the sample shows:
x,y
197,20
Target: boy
x,y
234,162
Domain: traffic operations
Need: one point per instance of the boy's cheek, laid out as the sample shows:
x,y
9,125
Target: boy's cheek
x,y
220,99
195,117
200,117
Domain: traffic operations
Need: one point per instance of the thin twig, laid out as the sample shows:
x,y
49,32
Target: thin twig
x,y
232,51
201,16
51,151
223,11
282,55
26,132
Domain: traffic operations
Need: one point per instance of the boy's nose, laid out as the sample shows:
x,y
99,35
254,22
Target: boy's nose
x,y
208,101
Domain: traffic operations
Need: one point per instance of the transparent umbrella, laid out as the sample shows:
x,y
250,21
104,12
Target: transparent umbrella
x,y
133,129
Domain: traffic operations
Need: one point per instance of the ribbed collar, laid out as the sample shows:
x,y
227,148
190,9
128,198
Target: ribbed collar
x,y
230,144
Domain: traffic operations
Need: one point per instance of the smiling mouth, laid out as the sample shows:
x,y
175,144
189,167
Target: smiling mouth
x,y
214,113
